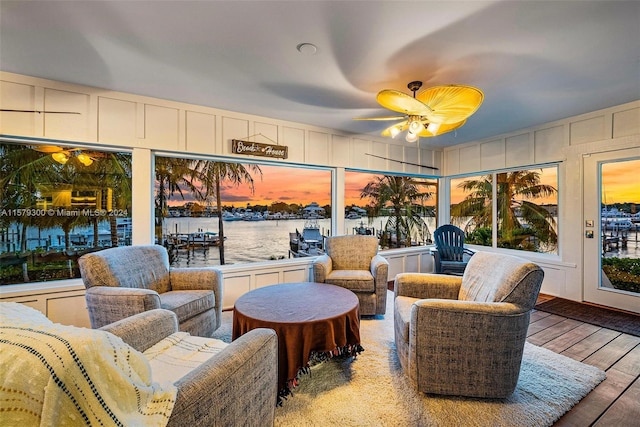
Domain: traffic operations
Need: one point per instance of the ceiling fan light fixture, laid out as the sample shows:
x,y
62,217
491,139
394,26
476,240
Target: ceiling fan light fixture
x,y
415,125
395,130
433,128
411,137
60,157
84,159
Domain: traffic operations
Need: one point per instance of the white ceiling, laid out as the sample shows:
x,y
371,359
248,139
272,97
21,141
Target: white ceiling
x,y
536,61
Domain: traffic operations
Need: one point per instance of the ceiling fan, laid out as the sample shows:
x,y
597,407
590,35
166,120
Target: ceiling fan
x,y
62,154
432,112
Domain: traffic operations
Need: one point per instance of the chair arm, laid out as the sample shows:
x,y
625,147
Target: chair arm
x,y
107,304
203,278
437,262
322,266
427,285
238,386
143,330
468,251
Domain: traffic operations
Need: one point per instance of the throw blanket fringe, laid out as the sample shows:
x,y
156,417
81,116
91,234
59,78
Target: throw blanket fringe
x,y
55,375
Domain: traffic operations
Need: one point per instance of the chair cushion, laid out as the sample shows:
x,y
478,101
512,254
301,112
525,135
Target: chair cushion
x,y
143,267
187,304
353,252
492,277
354,280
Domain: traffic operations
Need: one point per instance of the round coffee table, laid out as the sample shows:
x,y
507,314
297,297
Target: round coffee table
x,y
309,319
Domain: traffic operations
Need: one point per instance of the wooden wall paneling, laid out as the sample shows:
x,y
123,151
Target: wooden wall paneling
x,y
626,123
265,133
411,159
294,139
60,310
117,122
299,274
426,159
74,127
548,144
317,149
267,278
340,151
17,96
470,158
437,162
452,162
587,130
519,150
380,150
200,132
492,154
359,147
233,287
233,128
161,127
396,156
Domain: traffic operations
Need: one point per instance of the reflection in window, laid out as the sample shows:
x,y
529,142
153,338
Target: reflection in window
x,y
57,203
527,207
393,205
528,210
213,212
471,208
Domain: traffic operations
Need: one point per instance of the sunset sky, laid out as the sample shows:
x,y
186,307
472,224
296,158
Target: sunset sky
x,y
303,186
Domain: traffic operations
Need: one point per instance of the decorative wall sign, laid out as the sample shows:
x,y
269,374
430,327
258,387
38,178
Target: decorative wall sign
x,y
258,149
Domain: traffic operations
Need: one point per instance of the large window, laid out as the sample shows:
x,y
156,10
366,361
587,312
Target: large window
x,y
57,203
526,203
212,212
389,206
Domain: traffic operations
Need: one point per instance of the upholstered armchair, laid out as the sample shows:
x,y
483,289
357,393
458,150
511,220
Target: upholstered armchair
x,y
465,335
450,255
353,263
127,280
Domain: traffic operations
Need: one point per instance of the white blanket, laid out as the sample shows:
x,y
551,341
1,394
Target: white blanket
x,y
55,375
178,354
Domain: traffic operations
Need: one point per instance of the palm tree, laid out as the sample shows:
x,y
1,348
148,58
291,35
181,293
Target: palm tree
x,y
522,224
401,194
212,174
172,174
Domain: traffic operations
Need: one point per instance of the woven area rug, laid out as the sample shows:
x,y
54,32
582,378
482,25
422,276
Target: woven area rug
x,y
372,390
611,319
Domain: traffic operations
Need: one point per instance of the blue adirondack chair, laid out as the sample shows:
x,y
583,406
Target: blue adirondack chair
x,y
450,256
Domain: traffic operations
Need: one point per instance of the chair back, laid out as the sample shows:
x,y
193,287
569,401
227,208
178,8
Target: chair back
x,y
352,252
145,267
449,241
492,277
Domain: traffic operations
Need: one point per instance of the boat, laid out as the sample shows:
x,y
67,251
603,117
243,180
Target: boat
x,y
617,224
308,243
313,211
353,215
364,230
196,239
228,216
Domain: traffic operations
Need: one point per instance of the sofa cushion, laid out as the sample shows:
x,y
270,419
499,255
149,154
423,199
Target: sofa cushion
x,y
354,280
176,355
187,304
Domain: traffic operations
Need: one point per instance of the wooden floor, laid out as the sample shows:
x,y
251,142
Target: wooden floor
x,y
616,401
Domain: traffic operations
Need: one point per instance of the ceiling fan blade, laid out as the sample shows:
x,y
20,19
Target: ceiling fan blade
x,y
452,103
444,128
402,103
381,118
47,148
37,111
400,126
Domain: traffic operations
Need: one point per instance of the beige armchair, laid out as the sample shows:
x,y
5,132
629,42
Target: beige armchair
x,y
353,263
465,335
127,280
